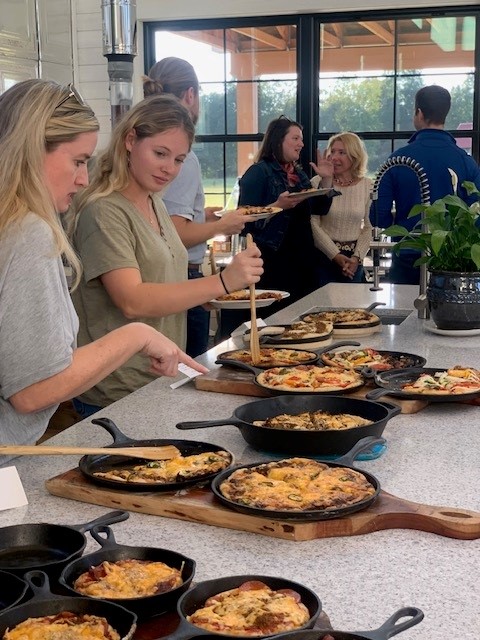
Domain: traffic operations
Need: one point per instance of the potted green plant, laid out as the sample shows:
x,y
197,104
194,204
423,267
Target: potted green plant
x,y
448,236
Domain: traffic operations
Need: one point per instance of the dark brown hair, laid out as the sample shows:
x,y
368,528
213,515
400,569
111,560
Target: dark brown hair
x,y
271,147
170,75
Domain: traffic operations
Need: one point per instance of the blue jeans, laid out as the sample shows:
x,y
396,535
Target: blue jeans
x,y
198,324
84,409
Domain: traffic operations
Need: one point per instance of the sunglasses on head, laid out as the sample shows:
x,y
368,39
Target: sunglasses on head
x,y
72,93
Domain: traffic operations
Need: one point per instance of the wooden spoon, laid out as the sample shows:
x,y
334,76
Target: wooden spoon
x,y
147,453
254,339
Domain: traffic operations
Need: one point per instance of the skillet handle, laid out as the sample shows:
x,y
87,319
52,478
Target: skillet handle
x,y
336,345
118,436
377,393
107,542
108,518
389,628
39,583
392,408
203,424
362,445
372,306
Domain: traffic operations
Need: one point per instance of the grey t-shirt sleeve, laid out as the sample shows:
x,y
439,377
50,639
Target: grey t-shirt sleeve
x,y
38,324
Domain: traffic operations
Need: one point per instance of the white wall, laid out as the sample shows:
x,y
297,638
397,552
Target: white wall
x,y
91,67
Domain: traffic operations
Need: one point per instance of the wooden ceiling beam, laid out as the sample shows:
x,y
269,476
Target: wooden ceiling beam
x,y
261,36
378,30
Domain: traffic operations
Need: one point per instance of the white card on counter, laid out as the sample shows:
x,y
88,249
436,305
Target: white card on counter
x,y
188,371
12,494
239,331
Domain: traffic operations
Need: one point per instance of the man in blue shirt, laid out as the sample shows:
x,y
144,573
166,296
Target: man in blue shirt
x,y
436,151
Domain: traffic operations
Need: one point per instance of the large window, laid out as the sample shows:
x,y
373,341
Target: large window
x,y
331,72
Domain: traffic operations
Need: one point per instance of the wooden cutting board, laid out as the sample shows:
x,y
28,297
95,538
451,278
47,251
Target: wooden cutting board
x,y
241,382
198,505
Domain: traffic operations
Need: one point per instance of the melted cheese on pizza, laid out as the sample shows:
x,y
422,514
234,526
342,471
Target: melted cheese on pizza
x,y
367,357
454,381
302,329
63,626
272,357
313,421
296,484
309,378
344,316
128,578
253,609
173,470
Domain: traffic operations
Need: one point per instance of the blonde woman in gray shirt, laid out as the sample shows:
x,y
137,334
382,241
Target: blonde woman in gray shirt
x,y
47,134
343,235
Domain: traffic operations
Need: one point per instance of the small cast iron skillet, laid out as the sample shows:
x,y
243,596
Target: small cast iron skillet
x,y
303,443
91,464
227,357
46,603
257,380
12,590
49,547
344,462
388,629
391,383
271,338
409,360
111,551
196,597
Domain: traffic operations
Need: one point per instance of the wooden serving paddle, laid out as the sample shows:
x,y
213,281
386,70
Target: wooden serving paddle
x,y
254,339
147,453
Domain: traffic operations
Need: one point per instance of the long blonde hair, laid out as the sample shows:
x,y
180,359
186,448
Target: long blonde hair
x,y
152,115
35,117
355,150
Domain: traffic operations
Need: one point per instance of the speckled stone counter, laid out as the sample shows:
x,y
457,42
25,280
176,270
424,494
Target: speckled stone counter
x,y
432,458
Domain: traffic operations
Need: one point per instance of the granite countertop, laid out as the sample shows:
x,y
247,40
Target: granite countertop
x,y
431,458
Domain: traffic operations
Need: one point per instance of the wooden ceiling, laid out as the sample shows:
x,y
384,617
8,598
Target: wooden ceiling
x,y
443,41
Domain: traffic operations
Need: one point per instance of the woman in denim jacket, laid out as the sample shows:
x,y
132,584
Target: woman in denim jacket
x,y
290,259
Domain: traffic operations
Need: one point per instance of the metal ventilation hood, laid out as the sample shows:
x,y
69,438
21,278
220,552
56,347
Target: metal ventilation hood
x,y
119,26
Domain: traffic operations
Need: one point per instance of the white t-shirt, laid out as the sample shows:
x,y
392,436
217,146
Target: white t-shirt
x,y
38,323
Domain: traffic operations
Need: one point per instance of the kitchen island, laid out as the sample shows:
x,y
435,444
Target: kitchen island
x,y
431,458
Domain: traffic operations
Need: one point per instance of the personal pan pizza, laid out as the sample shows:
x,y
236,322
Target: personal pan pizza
x,y
270,357
252,609
64,625
454,381
309,378
344,317
128,578
296,484
369,357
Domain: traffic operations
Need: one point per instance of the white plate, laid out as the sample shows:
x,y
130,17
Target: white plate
x,y
455,333
252,216
245,304
303,195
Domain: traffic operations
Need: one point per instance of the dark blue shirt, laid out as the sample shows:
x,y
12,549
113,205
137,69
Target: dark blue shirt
x,y
436,151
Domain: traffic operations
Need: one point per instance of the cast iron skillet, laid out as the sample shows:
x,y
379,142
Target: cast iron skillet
x,y
411,359
111,551
196,597
12,590
48,547
227,357
358,325
388,629
303,443
257,371
391,384
345,461
272,338
91,464
46,603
